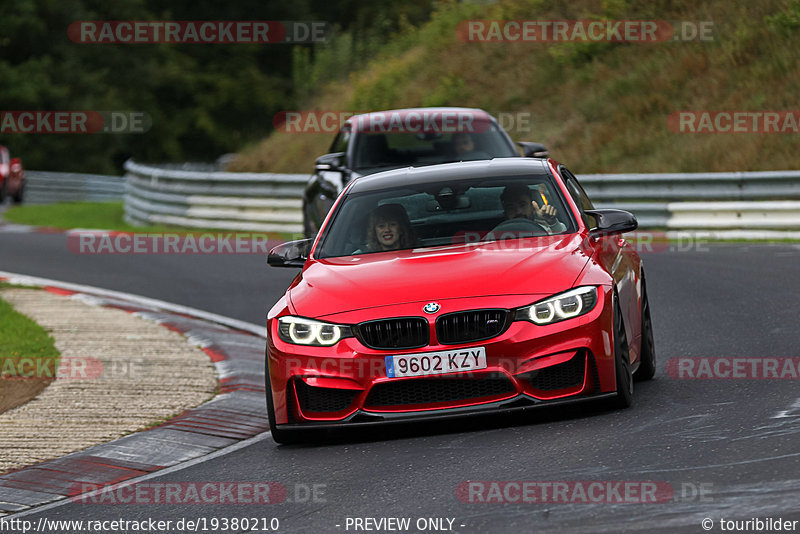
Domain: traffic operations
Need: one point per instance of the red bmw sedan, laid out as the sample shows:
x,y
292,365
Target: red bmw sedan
x,y
457,289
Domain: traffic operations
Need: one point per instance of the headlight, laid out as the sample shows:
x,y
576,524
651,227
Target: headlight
x,y
561,307
302,331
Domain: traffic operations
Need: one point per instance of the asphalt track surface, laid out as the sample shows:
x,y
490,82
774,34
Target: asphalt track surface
x,y
728,449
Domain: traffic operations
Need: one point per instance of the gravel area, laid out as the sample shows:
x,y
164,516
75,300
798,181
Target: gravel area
x,y
118,374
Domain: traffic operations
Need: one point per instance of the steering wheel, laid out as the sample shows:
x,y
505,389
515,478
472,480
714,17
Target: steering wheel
x,y
519,225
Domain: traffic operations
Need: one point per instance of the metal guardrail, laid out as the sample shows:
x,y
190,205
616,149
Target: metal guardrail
x,y
768,215
720,201
723,201
42,187
196,199
674,187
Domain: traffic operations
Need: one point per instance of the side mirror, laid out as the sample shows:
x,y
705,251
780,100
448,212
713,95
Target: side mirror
x,y
291,254
610,222
533,150
330,162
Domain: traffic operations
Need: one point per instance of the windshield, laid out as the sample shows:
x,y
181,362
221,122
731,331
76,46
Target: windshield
x,y
445,213
403,149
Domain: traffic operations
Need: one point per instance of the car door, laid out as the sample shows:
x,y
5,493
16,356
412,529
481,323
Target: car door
x,y
617,256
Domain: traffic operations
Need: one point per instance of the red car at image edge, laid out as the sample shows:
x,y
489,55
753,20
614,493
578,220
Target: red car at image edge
x,y
12,177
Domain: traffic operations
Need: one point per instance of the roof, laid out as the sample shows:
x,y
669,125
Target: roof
x,y
478,113
498,167
416,120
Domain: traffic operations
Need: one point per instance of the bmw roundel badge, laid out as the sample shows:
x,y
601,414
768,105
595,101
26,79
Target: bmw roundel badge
x,y
431,307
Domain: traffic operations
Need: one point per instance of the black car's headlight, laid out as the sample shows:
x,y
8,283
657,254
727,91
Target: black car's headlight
x,y
302,331
561,307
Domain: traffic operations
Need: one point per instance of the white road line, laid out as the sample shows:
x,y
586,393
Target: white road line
x,y
793,411
258,330
169,470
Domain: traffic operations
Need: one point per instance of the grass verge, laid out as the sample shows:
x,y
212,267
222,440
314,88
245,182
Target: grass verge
x,y
21,337
29,359
110,216
9,285
65,215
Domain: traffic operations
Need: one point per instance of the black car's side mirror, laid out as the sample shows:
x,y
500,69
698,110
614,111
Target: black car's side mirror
x,y
610,222
290,254
533,150
330,162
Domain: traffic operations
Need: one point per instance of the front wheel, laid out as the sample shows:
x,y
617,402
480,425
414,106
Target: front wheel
x,y
647,365
622,362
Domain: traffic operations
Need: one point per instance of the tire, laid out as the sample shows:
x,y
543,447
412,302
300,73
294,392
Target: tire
x,y
647,365
3,191
279,435
622,362
20,192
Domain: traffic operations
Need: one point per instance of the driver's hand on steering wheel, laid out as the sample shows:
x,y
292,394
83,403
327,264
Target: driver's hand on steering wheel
x,y
547,213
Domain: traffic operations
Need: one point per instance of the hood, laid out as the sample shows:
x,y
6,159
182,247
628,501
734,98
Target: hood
x,y
534,266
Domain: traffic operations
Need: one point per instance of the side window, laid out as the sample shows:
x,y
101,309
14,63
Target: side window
x,y
579,196
341,142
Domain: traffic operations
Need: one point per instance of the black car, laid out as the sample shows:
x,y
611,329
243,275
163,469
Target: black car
x,y
383,140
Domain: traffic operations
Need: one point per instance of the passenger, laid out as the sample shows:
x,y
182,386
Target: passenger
x,y
518,203
389,229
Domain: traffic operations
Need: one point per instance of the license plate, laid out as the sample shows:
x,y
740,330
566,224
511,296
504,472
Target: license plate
x,y
436,363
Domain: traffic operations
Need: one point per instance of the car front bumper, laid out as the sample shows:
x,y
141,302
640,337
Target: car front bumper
x,y
527,366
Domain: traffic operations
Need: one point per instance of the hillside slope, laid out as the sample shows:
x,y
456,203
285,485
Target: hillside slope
x,y
600,106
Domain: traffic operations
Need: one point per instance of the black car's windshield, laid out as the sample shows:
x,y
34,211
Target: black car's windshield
x,y
378,151
445,213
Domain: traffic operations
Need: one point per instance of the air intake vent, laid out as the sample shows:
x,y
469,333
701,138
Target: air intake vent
x,y
473,325
562,376
314,399
399,333
432,390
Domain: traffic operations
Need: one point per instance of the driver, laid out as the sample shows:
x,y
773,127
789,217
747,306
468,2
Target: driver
x,y
463,146
518,203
